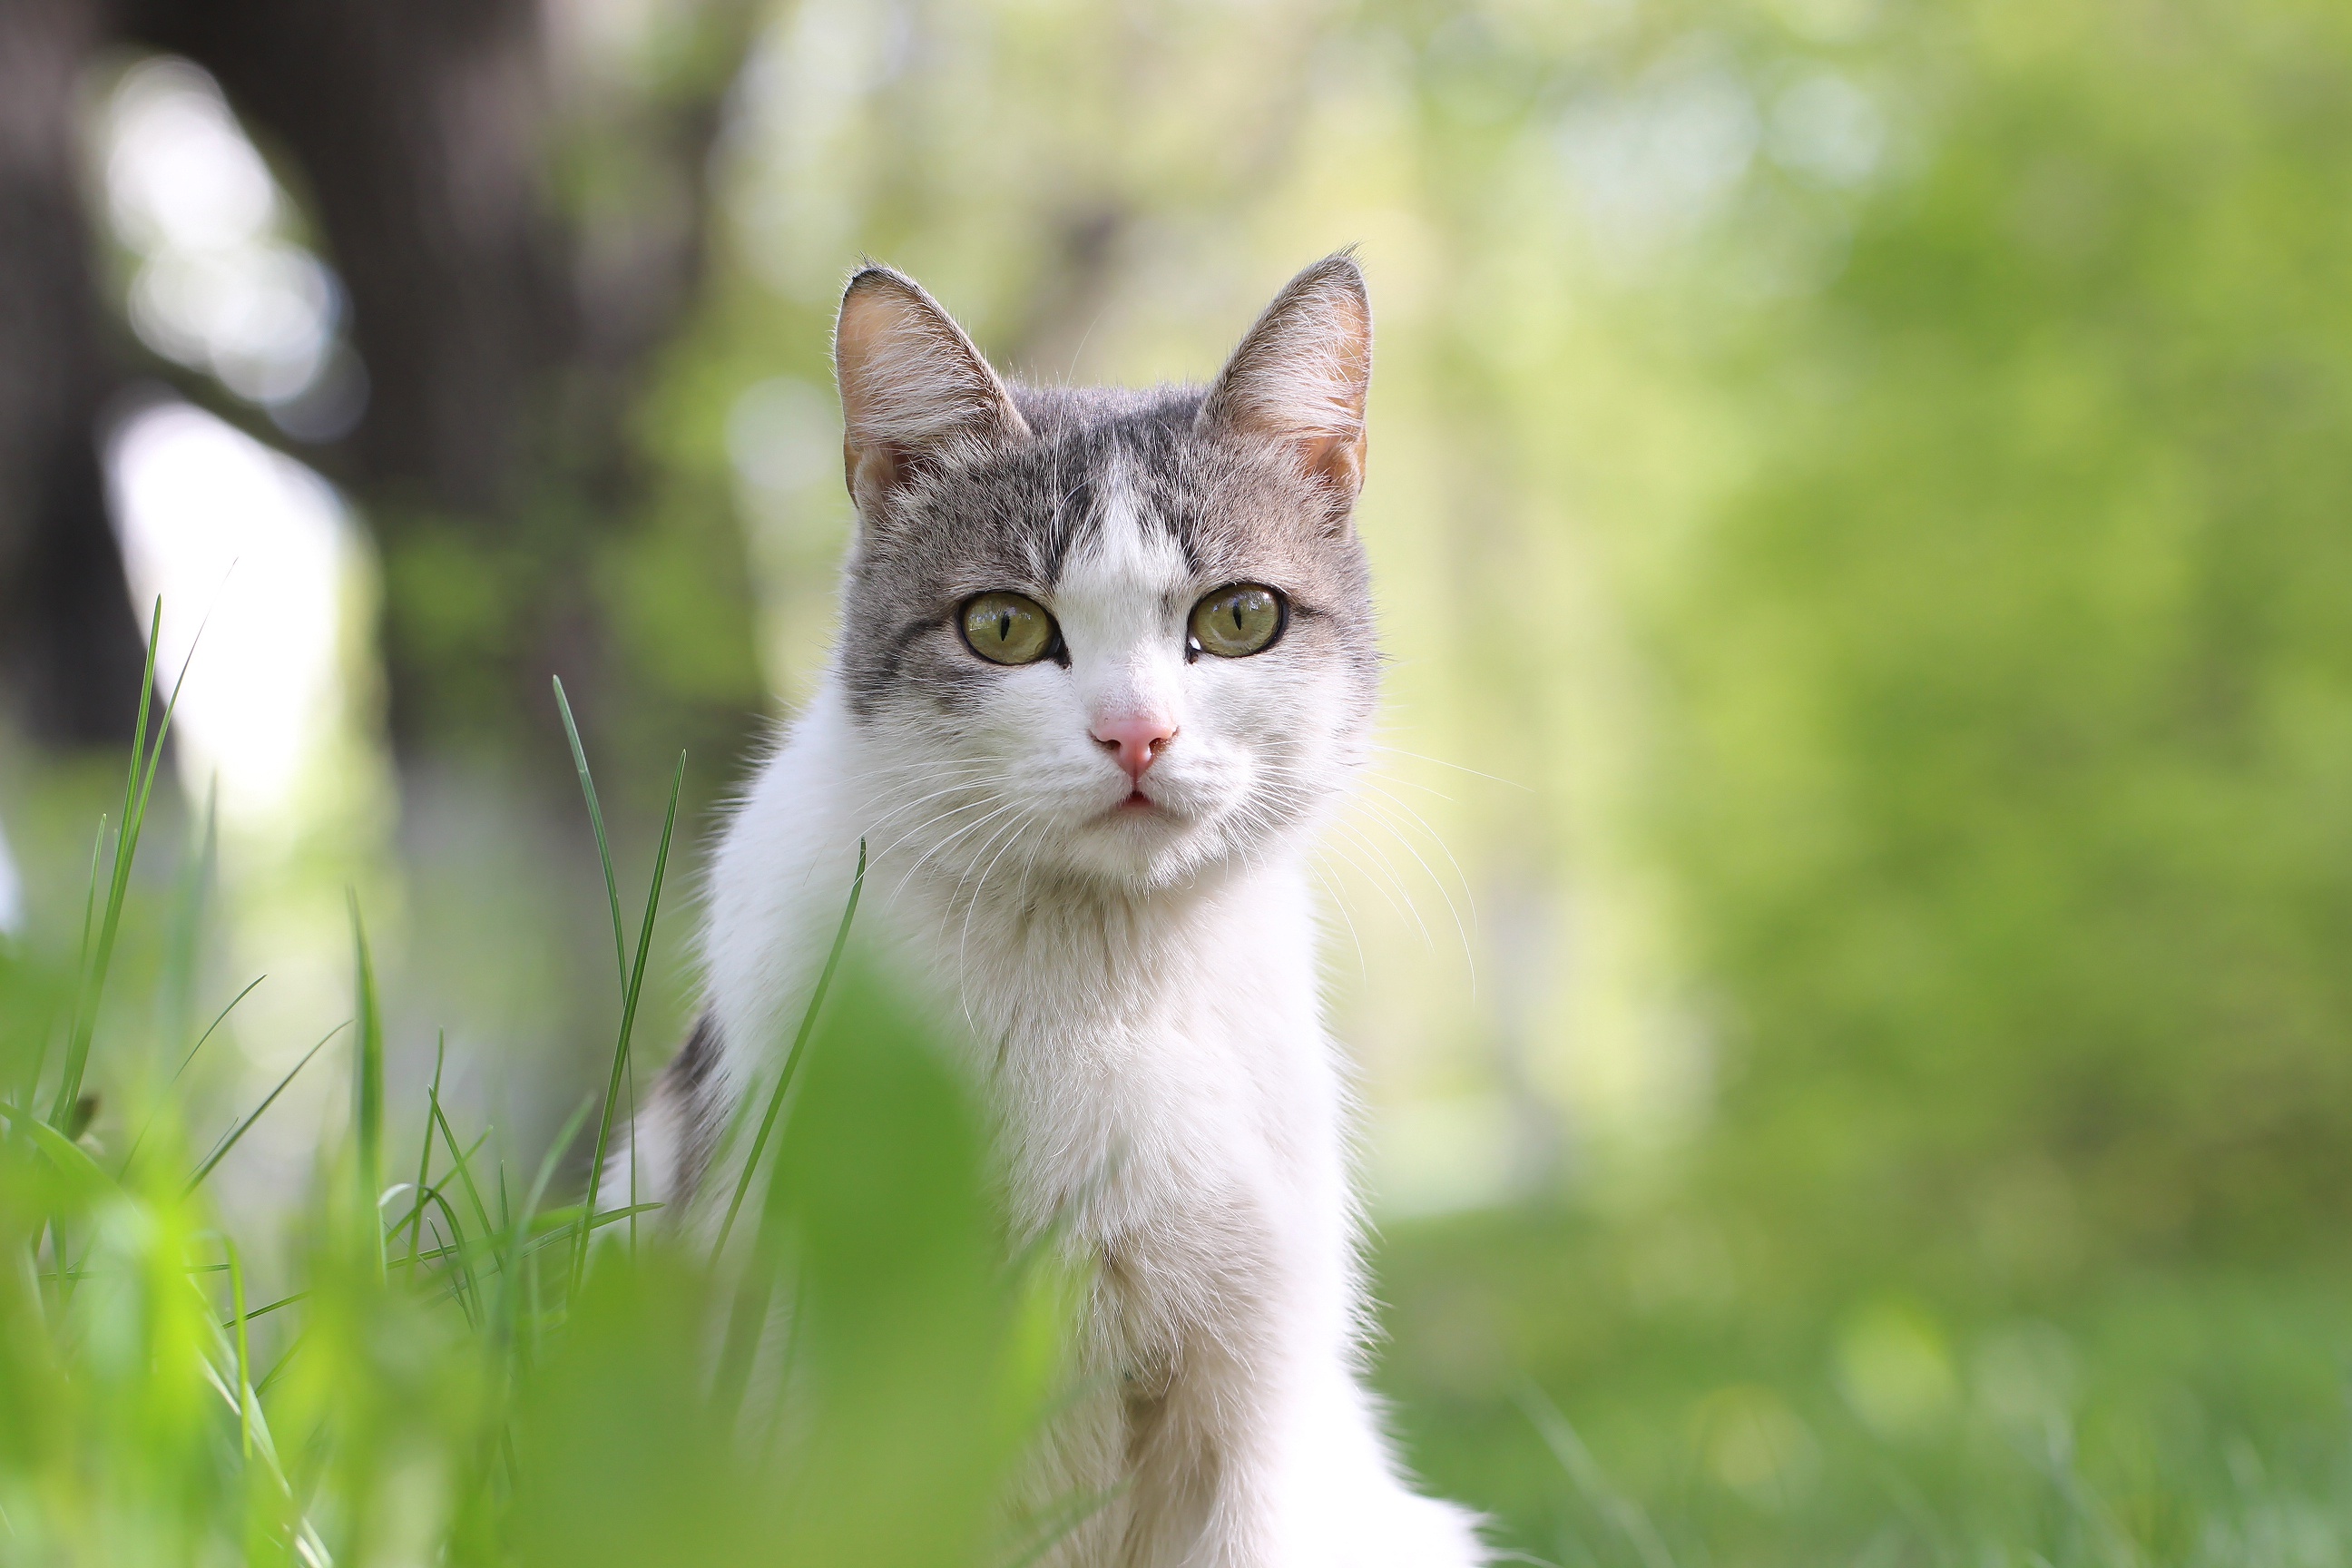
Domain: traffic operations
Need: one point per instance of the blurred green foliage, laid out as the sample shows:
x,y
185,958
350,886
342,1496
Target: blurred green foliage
x,y
2013,759
1681,1392
432,1379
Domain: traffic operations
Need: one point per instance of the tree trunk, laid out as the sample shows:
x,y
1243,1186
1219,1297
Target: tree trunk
x,y
492,463
71,651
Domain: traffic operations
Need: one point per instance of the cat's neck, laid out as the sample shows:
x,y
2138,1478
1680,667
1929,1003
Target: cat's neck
x,y
1079,943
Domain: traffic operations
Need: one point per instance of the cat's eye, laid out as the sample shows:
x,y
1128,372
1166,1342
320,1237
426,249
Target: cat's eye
x,y
1238,621
1006,628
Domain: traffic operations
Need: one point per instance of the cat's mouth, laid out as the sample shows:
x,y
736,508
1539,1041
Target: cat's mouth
x,y
1136,801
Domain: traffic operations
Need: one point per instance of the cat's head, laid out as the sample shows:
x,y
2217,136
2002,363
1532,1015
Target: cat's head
x,y
1122,636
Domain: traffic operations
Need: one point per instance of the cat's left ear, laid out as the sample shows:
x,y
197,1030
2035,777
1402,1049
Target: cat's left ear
x,y
1300,377
913,387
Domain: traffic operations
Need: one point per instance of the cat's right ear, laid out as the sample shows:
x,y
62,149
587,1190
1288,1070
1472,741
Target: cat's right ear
x,y
913,387
1300,377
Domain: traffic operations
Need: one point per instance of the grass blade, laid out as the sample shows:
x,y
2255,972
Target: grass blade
x,y
93,968
424,1153
184,1062
634,989
367,1087
274,1306
463,1159
547,1163
518,1228
218,1019
285,1359
70,1158
800,1042
461,1286
244,1348
596,821
145,760
82,957
221,1152
1569,1448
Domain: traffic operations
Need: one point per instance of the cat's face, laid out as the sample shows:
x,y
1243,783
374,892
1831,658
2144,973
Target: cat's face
x,y
1117,636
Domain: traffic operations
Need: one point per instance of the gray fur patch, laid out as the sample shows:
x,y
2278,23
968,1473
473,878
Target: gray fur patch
x,y
696,1099
1010,514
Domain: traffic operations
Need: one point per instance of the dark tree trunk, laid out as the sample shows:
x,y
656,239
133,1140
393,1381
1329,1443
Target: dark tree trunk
x,y
416,131
70,652
492,463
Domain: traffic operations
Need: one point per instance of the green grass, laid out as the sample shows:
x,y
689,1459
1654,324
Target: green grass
x,y
1708,1400
454,1369
452,1362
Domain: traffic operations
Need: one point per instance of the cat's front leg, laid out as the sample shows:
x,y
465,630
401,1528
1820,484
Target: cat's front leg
x,y
1342,1500
1258,1450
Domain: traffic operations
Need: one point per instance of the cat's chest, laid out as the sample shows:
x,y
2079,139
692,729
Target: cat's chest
x,y
1122,1105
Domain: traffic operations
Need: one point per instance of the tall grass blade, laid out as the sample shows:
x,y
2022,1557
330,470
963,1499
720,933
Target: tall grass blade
x,y
244,1348
282,1302
596,821
82,967
220,1018
145,760
519,1225
463,1159
464,1289
285,1359
367,1088
93,964
1567,1447
222,1150
634,989
424,1152
799,1044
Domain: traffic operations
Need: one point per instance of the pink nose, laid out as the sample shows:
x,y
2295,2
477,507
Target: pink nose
x,y
1135,742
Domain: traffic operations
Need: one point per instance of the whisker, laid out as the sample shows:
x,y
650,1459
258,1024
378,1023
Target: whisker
x,y
1461,930
952,812
947,842
1387,881
1457,767
875,827
1363,965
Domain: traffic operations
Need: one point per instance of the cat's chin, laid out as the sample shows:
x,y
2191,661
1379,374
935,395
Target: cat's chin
x,y
1138,845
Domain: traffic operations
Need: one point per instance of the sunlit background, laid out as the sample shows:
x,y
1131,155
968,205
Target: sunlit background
x,y
1848,946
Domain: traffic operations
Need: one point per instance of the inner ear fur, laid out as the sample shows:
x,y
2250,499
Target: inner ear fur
x,y
913,386
1300,377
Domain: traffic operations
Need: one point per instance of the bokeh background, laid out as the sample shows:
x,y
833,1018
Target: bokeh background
x,y
1849,946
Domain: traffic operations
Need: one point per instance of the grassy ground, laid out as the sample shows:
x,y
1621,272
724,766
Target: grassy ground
x,y
444,1375
451,1360
1624,1395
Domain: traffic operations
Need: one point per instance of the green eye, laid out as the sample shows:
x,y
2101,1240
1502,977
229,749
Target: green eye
x,y
1005,628
1235,622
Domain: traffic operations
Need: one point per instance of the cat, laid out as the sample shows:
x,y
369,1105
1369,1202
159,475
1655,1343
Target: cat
x,y
1107,659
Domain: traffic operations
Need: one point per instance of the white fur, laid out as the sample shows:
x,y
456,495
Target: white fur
x,y
1141,990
